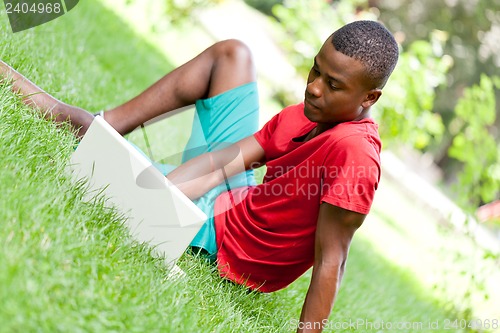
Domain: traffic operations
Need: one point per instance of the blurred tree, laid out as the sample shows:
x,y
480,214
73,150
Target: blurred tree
x,y
474,145
264,6
180,11
473,29
405,111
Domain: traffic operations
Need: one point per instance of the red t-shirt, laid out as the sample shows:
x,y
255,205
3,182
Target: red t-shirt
x,y
266,240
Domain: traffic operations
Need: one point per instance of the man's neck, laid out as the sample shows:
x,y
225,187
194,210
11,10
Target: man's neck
x,y
320,128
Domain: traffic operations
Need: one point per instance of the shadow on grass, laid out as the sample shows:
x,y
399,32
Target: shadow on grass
x,y
376,296
375,291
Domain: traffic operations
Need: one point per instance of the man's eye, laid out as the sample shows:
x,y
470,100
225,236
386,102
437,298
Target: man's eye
x,y
315,71
333,87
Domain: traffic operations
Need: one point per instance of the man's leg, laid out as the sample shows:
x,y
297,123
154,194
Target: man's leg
x,y
221,67
50,106
219,121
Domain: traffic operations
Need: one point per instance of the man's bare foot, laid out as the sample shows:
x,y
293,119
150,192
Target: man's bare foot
x,y
79,119
51,108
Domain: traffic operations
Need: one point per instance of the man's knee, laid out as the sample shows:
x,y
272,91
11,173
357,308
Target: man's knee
x,y
235,51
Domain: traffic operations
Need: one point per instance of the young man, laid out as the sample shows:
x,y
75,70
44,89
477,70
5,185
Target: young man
x,y
322,158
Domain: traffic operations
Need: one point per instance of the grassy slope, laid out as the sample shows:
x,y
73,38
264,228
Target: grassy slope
x,y
69,266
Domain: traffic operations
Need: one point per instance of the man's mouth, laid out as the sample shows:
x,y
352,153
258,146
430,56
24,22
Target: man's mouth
x,y
309,104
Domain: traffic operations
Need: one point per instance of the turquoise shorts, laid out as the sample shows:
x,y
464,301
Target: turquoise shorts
x,y
219,121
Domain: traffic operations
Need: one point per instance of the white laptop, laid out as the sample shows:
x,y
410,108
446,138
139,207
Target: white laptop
x,y
157,212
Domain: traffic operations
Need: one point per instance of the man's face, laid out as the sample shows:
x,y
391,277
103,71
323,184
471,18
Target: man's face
x,y
337,88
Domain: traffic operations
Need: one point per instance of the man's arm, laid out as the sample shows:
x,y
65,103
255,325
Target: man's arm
x,y
335,229
202,173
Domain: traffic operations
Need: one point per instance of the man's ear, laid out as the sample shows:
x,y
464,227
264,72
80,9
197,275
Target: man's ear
x,y
371,98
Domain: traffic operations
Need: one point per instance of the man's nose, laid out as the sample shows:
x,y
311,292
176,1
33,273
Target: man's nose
x,y
314,87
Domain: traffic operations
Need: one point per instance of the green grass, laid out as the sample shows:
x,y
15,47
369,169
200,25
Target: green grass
x,y
69,266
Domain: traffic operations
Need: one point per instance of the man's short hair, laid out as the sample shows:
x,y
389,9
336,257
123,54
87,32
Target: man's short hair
x,y
372,44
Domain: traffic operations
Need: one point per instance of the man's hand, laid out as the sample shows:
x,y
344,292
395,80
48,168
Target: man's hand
x,y
335,229
202,173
